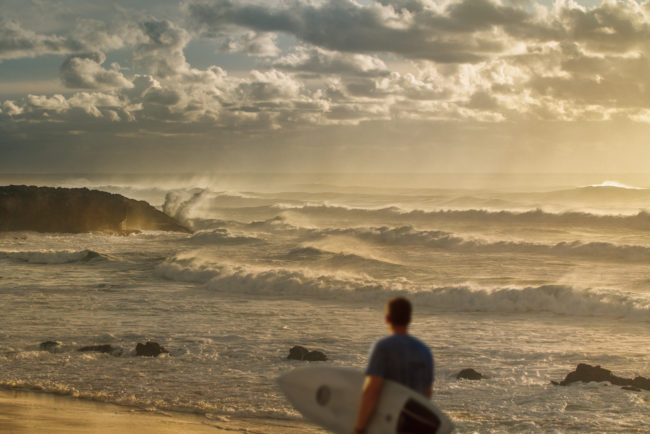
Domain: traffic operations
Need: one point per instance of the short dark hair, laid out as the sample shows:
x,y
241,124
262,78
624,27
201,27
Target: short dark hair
x,y
398,311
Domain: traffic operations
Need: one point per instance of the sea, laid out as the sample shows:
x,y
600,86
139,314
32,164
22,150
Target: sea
x,y
520,277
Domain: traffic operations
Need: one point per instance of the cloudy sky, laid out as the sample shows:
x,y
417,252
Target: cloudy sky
x,y
324,85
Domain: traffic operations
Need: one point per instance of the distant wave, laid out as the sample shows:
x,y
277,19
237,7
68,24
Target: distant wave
x,y
221,236
490,209
51,257
617,184
556,299
536,218
339,260
407,235
279,217
441,240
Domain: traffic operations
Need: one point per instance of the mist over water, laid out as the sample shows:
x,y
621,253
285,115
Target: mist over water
x,y
520,277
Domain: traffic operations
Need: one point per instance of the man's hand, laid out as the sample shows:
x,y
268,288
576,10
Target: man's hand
x,y
369,397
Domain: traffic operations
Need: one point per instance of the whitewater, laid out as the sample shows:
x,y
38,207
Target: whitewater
x,y
519,281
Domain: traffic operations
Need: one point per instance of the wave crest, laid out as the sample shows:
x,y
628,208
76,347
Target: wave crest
x,y
556,299
409,236
51,256
221,236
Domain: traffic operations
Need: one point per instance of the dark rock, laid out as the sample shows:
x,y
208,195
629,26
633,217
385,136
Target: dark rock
x,y
298,353
469,374
587,373
641,383
316,356
633,389
50,346
302,353
76,210
151,349
106,348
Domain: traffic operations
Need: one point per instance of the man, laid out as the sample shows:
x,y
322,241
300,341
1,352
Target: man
x,y
399,357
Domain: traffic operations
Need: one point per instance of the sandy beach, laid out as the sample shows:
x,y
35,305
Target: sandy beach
x,y
34,412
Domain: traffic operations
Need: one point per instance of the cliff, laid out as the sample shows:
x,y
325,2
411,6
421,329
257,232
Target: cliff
x,y
75,210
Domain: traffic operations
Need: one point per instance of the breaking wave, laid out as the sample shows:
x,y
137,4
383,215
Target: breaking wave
x,y
315,256
221,236
535,218
409,236
51,257
556,299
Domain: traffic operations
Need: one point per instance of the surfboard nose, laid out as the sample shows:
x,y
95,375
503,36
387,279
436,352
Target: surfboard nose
x,y
293,381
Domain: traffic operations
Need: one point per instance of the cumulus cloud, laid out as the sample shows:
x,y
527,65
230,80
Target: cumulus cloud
x,y
456,31
160,48
85,71
86,35
344,25
17,42
481,60
319,61
252,43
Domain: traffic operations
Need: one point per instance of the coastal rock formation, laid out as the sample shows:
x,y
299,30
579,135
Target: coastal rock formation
x,y
51,346
76,210
151,349
106,348
469,374
586,373
302,353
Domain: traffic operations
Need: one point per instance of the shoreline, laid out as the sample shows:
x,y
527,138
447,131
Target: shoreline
x,y
26,412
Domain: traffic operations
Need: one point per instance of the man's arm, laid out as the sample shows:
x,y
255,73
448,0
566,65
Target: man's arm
x,y
430,391
369,397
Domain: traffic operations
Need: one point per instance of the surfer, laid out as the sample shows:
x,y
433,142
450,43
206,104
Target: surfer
x,y
399,357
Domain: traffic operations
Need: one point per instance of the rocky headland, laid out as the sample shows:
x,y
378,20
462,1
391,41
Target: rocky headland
x,y
77,210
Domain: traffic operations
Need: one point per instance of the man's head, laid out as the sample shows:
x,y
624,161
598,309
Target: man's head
x,y
398,312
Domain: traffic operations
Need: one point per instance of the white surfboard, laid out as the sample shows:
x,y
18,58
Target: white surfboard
x,y
329,396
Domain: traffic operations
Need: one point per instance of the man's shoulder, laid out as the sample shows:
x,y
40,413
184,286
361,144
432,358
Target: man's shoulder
x,y
387,341
397,340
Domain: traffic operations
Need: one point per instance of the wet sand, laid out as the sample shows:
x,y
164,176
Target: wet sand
x,y
32,412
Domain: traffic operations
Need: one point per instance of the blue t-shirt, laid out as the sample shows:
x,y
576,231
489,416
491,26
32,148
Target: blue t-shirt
x,y
404,359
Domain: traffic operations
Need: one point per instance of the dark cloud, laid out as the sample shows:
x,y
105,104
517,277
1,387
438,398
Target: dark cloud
x,y
611,27
160,48
17,42
343,25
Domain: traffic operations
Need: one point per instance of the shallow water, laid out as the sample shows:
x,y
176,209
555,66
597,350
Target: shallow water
x,y
522,290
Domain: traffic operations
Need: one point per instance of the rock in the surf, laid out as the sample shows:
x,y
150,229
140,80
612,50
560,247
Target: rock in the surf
x,y
297,353
316,356
105,348
302,353
150,349
469,374
51,346
586,373
76,210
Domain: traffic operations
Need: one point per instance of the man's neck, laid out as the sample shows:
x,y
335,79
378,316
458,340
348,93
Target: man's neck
x,y
399,330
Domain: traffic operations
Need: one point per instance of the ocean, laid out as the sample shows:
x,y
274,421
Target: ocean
x,y
518,277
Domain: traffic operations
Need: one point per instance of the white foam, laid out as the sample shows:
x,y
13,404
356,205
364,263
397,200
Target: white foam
x,y
296,282
617,184
446,241
221,236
